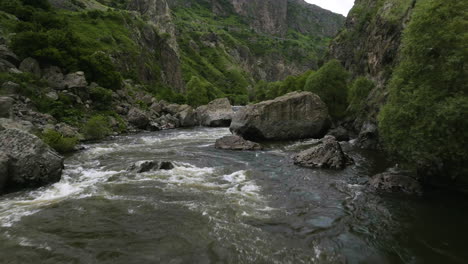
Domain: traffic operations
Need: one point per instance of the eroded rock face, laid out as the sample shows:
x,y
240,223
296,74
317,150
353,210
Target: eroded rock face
x,y
236,143
217,113
327,154
395,180
292,116
31,163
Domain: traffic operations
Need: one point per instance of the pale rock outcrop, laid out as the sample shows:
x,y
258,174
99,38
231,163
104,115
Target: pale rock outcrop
x,y
217,113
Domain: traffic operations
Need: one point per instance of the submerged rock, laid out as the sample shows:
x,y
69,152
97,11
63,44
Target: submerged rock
x,y
394,180
31,163
327,154
292,116
217,113
151,165
236,143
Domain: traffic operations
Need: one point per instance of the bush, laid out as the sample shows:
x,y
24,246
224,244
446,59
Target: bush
x,y
99,68
102,98
358,93
44,4
58,142
197,92
425,120
97,127
330,83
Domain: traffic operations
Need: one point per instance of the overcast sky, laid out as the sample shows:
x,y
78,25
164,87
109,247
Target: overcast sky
x,y
337,6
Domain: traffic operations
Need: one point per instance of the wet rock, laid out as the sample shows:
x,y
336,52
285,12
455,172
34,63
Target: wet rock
x,y
138,118
217,113
292,116
368,137
75,80
32,163
340,133
327,154
6,107
150,165
54,77
4,160
236,143
30,65
395,180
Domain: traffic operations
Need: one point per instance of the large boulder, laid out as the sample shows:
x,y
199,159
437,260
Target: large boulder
x,y
368,137
6,107
75,80
395,180
292,116
10,88
327,154
31,163
236,143
187,116
54,77
138,118
217,113
30,65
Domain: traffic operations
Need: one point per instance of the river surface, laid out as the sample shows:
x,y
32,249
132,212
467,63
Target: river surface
x,y
223,207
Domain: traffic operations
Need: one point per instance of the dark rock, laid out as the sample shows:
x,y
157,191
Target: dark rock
x,y
327,154
217,113
4,160
31,162
236,143
340,133
54,77
10,88
150,165
157,108
293,116
138,118
30,65
368,137
6,106
6,66
395,180
188,117
75,80
8,55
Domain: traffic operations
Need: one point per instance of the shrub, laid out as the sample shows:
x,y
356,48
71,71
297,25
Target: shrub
x,y
97,127
102,98
330,83
197,92
99,68
358,93
58,142
44,4
425,120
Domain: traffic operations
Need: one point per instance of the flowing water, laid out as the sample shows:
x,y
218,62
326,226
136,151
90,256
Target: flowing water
x,y
223,207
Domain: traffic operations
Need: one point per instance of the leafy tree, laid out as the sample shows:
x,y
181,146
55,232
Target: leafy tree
x,y
44,4
99,68
197,92
330,83
425,120
357,94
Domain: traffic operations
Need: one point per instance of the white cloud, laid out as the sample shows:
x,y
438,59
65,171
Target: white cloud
x,y
337,6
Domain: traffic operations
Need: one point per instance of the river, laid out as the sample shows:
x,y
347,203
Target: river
x,y
224,207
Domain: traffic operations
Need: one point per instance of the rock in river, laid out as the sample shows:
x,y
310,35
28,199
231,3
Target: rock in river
x,y
396,180
236,143
31,163
217,113
295,115
150,165
327,154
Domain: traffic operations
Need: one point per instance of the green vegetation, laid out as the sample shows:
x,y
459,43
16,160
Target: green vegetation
x,y
266,91
58,142
425,120
357,95
97,127
330,83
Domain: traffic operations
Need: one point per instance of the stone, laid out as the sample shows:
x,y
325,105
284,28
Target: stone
x,y
30,65
236,143
32,163
4,176
157,108
395,180
217,113
340,133
75,80
22,125
67,130
6,107
5,65
327,154
150,165
8,55
368,137
295,115
52,95
10,88
138,118
188,117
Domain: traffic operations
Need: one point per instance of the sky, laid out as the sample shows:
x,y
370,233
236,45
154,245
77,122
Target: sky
x,y
337,6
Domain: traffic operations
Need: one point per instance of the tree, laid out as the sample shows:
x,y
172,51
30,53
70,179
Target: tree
x,y
197,92
425,120
358,93
330,83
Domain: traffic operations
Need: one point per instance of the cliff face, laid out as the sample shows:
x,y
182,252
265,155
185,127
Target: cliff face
x,y
369,44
